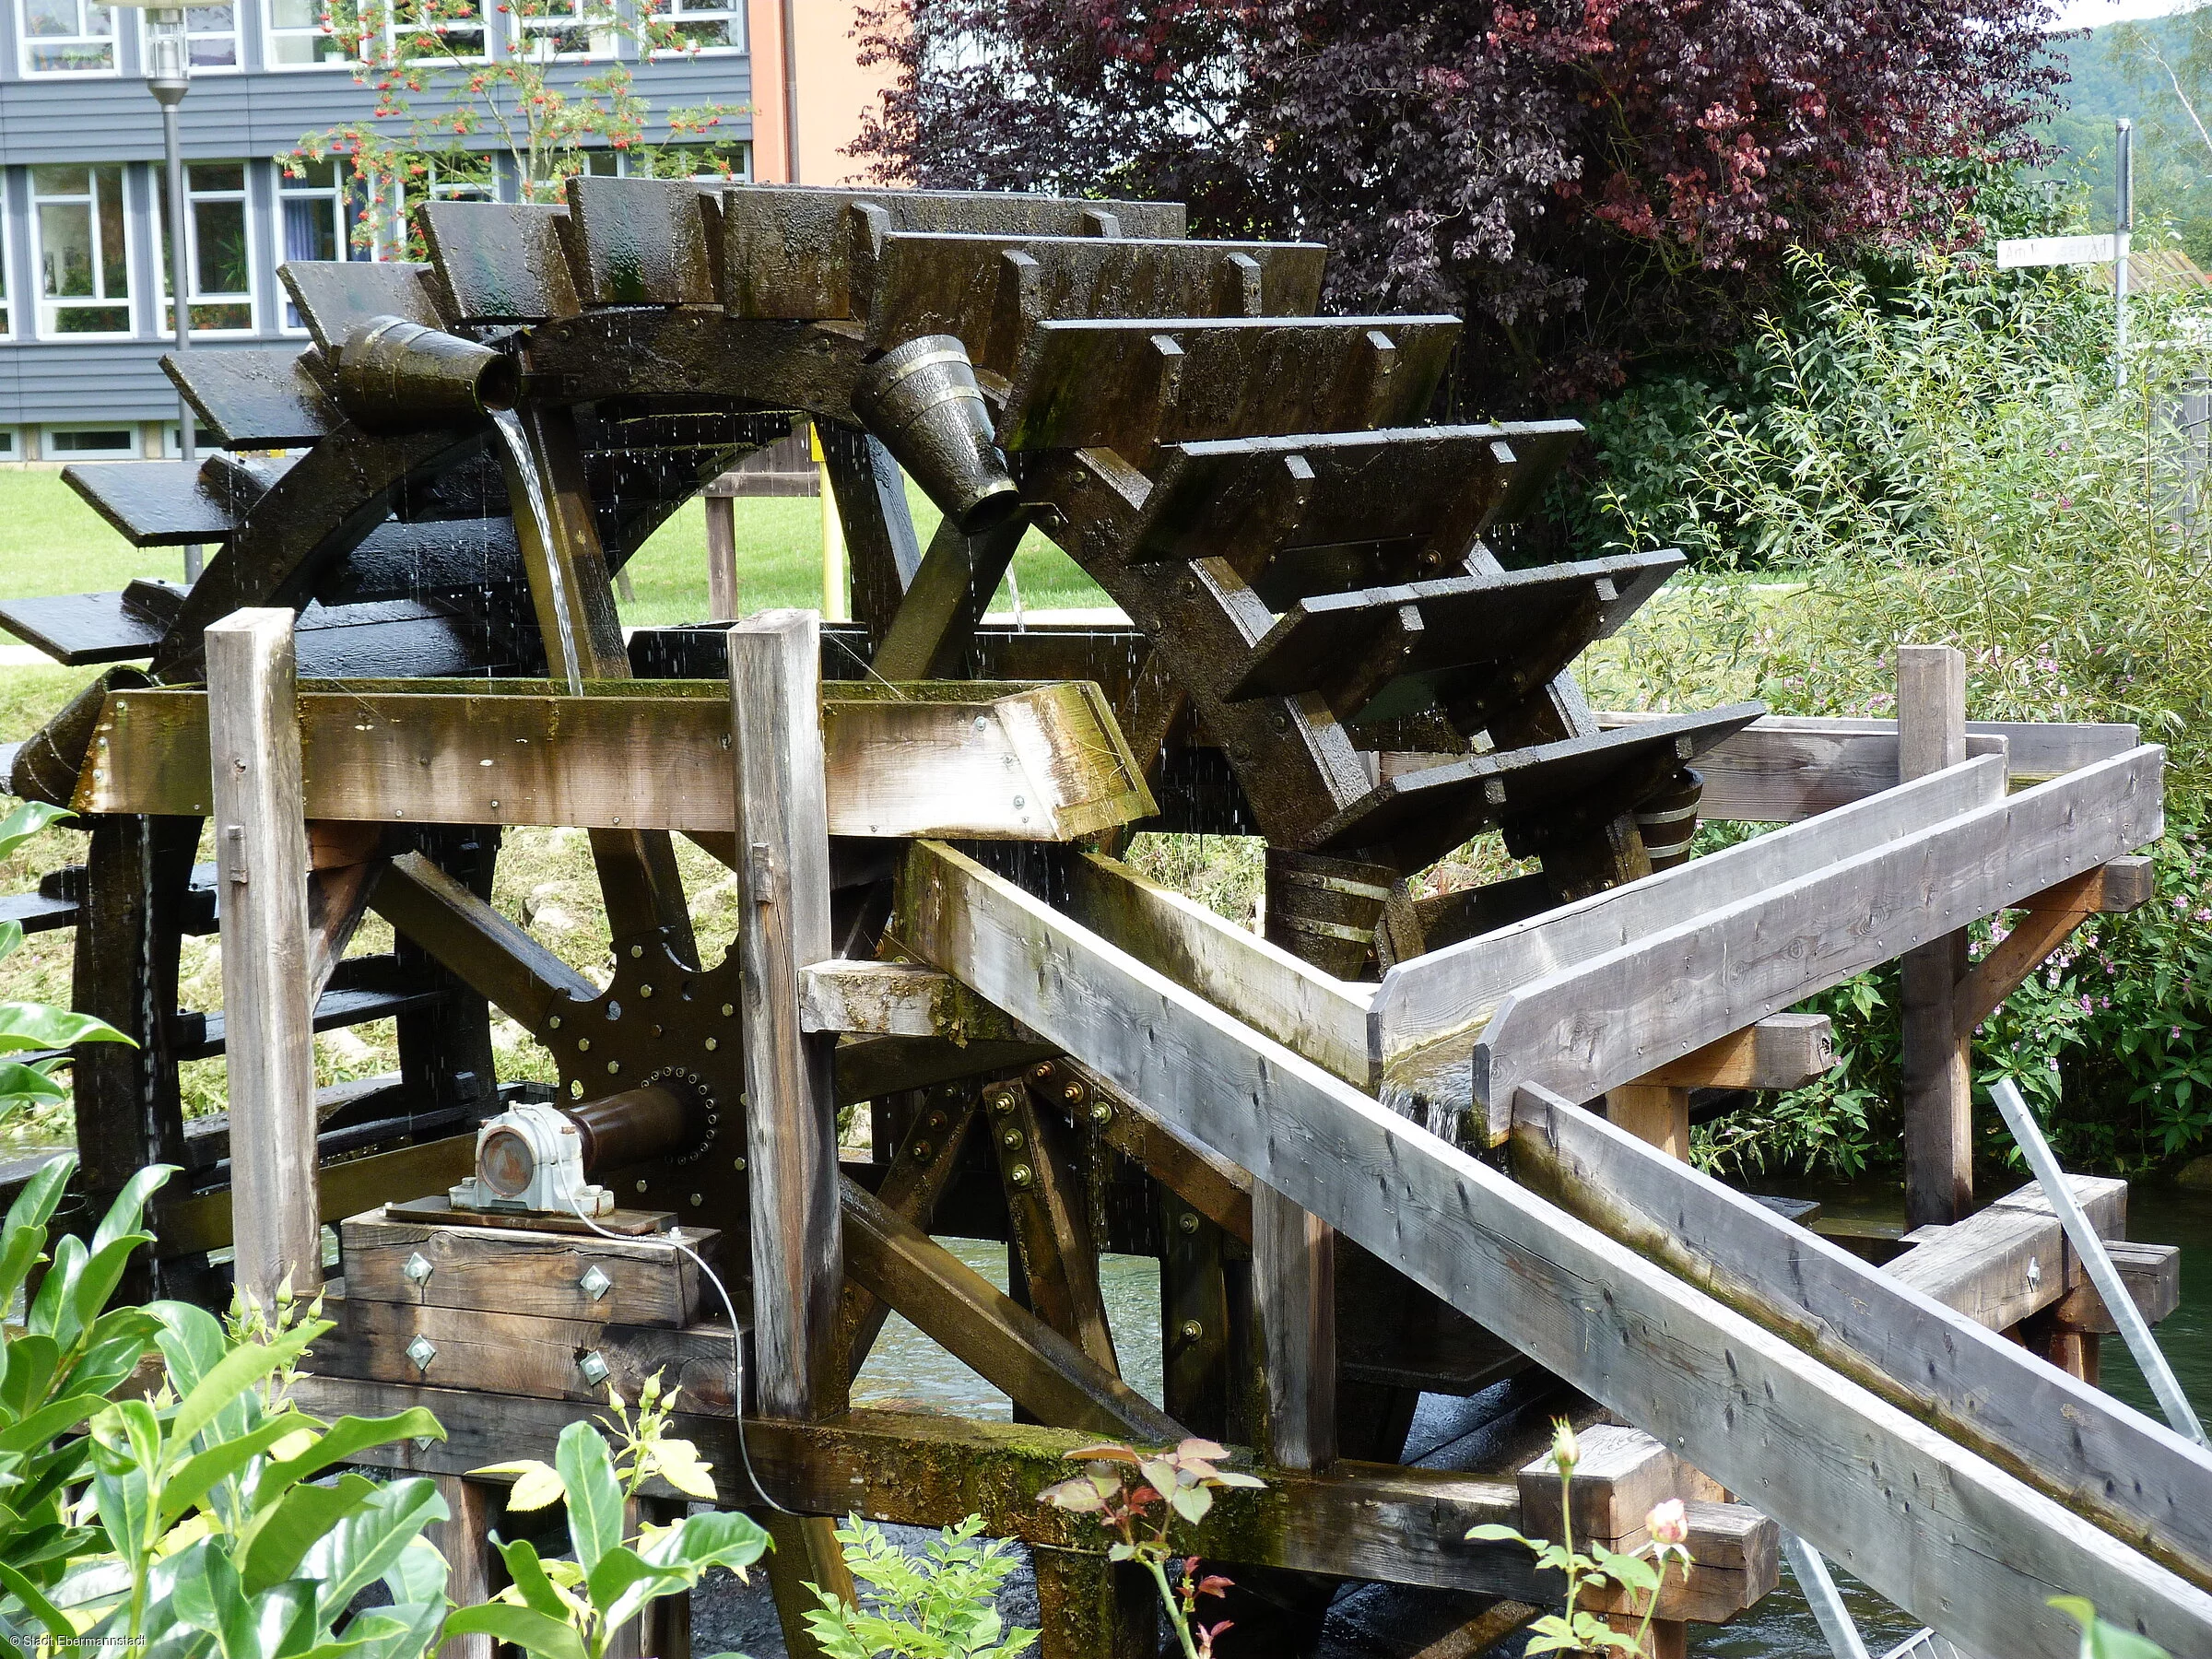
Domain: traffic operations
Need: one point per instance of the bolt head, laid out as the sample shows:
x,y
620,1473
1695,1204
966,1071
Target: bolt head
x,y
1021,1175
593,1367
641,1186
1188,1221
922,1150
418,1268
594,1283
697,1199
1002,1102
1192,1330
644,990
583,1045
1010,1138
422,1350
713,1044
1101,1112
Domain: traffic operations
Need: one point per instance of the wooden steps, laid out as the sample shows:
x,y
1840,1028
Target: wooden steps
x,y
1474,644
336,296
1130,383
169,503
256,397
497,261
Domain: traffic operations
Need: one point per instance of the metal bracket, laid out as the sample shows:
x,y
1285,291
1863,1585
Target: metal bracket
x,y
422,1350
593,1366
418,1268
594,1284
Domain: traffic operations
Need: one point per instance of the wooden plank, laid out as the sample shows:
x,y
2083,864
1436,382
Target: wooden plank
x,y
2152,1274
1912,1337
1936,1079
336,899
204,1223
1050,1221
928,1161
1294,1302
513,1270
1045,763
722,557
783,924
2049,921
1782,1051
261,849
524,1354
806,1553
1671,993
1001,1341
1203,1179
1785,768
895,999
1973,1553
493,956
2011,1258
1356,1520
1088,1607
256,398
1323,1017
1450,994
1623,1472
461,1539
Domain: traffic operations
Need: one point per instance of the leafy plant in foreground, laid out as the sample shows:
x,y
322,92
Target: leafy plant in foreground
x,y
1141,1504
27,1027
572,1609
940,1605
2103,1641
224,1530
69,1354
1573,1630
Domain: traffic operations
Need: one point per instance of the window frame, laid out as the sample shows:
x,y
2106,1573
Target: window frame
x,y
522,31
50,305
338,197
732,11
272,34
24,39
50,431
165,324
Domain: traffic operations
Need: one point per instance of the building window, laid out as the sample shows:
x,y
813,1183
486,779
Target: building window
x,y
317,223
710,163
84,250
454,28
564,28
213,33
8,444
204,438
8,314
298,38
83,443
217,252
700,27
66,37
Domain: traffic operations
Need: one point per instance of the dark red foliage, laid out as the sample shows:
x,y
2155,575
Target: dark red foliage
x,y
1589,181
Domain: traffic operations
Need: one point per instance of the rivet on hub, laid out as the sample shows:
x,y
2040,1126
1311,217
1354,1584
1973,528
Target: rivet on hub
x,y
1188,1221
922,1150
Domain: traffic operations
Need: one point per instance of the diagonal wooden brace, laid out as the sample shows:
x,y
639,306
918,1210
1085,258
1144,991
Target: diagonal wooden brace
x,y
2050,919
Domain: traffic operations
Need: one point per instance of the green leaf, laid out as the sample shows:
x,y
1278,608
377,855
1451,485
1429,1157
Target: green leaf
x,y
1494,1532
624,1581
529,1575
200,1473
21,1082
361,1549
123,1215
2100,1639
587,1472
26,822
191,1339
344,1442
527,1628
55,1622
713,1538
235,1372
50,1422
36,1026
31,1362
283,1535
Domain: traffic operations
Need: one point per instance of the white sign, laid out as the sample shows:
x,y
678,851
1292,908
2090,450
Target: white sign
x,y
2053,250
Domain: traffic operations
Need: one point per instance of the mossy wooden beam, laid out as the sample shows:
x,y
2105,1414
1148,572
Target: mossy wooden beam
x,y
1021,761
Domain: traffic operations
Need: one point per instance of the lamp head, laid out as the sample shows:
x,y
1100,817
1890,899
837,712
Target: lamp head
x,y
167,52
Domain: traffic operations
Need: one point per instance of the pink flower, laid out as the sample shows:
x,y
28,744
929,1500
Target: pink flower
x,y
1669,1523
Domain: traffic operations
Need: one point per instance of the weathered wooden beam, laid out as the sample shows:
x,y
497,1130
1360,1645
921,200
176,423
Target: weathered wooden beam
x,y
1001,1341
783,924
2049,921
925,1166
1208,1182
1317,1015
1046,763
345,1189
2152,1274
1049,1221
1356,1520
897,999
1973,1554
1446,996
1622,1475
1935,1062
2011,1258
462,1539
252,748
1294,1303
493,956
337,897
1916,1339
1784,768
642,1281
1782,1051
1669,994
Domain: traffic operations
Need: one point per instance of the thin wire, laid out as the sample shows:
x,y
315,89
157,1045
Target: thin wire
x,y
736,1350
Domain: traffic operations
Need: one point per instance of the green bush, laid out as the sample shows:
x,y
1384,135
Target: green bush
x,y
1949,461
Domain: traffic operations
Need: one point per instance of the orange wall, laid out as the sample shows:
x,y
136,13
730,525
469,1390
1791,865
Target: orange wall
x,y
833,90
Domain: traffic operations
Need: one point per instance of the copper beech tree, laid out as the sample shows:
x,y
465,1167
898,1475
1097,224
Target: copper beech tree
x,y
1587,180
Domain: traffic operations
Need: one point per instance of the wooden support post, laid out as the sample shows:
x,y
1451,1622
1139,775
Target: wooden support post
x,y
462,1539
783,926
1093,1609
261,853
1049,1221
721,549
806,1552
1294,1301
1197,1359
1938,1079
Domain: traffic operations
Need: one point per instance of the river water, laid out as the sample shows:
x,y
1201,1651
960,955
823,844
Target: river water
x,y
909,1372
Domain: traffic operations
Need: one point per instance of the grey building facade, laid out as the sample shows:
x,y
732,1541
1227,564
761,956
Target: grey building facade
x,y
84,314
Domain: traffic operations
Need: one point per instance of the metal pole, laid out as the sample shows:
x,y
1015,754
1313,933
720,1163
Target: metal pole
x,y
2099,1263
168,77
2124,226
1822,1596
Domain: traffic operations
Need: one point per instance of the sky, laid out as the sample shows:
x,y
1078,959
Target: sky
x,y
2095,14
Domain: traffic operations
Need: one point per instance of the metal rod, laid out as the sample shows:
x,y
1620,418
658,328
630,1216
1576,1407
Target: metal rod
x,y
2098,1262
2124,225
1826,1601
179,288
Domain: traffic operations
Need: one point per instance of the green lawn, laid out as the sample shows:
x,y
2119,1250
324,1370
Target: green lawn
x,y
51,543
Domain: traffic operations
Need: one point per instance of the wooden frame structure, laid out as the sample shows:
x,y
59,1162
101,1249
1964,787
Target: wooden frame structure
x,y
1461,1175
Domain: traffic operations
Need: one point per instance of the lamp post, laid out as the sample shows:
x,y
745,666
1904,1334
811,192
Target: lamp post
x,y
168,77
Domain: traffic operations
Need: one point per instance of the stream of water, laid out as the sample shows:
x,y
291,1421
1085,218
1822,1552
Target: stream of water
x,y
906,1372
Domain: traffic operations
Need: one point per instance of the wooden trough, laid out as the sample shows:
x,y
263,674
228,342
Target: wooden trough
x,y
1405,1145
